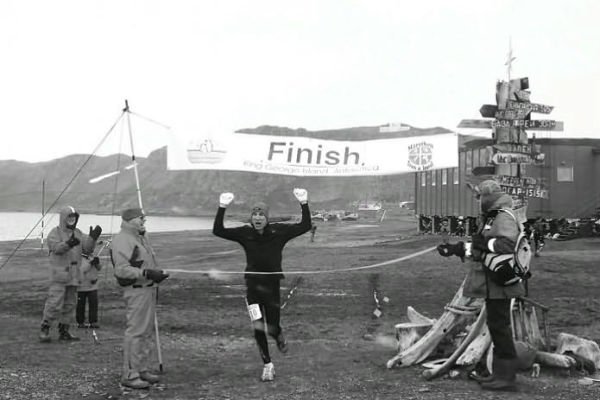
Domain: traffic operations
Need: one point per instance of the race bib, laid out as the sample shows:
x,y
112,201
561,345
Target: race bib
x,y
254,312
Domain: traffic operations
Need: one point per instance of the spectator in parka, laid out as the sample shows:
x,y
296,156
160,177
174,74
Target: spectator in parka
x,y
497,235
263,243
87,292
136,271
66,244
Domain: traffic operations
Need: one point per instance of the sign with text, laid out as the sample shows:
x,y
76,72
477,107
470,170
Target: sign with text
x,y
535,124
532,107
517,158
536,192
306,156
522,181
511,114
514,148
522,95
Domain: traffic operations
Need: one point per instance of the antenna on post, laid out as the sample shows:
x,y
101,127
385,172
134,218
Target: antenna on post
x,y
509,59
126,109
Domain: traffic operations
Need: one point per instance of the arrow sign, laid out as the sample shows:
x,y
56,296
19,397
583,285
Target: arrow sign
x,y
516,158
514,148
511,114
533,107
522,95
475,124
488,110
535,124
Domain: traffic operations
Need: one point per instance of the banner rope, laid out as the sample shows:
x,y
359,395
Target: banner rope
x,y
304,272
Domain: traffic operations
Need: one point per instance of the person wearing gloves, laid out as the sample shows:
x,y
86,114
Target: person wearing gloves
x,y
263,243
66,244
87,292
136,270
496,236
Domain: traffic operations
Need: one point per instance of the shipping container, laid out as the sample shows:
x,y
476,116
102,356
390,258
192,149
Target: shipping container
x,y
567,183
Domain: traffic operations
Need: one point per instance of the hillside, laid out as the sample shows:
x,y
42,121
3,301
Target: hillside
x,y
192,192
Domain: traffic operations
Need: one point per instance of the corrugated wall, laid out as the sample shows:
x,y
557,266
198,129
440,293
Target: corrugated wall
x,y
574,199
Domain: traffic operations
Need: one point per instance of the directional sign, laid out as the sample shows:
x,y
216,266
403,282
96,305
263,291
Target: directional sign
x,y
514,148
517,158
488,110
475,123
511,114
536,191
488,170
522,95
538,124
519,83
523,181
533,107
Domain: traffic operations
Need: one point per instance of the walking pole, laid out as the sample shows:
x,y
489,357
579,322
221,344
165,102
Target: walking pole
x,y
158,351
139,195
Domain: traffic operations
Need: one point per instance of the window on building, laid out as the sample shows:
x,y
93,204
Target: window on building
x,y
455,173
564,173
444,177
423,179
433,173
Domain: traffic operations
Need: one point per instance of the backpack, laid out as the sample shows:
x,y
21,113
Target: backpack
x,y
508,269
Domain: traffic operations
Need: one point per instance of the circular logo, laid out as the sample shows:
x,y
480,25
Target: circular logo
x,y
420,156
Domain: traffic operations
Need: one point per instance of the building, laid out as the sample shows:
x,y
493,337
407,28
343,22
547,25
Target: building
x,y
565,183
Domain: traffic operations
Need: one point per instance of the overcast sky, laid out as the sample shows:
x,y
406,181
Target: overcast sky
x,y
68,66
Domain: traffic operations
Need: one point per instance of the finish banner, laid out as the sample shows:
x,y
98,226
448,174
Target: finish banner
x,y
304,156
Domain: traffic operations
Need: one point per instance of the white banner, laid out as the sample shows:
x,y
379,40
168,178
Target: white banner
x,y
304,156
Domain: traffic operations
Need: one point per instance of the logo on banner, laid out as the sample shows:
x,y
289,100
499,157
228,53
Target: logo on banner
x,y
205,152
420,156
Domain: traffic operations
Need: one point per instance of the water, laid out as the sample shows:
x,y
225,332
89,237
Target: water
x,y
16,225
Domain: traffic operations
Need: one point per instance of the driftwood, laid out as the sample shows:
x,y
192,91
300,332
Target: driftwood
x,y
554,360
477,348
427,344
408,333
473,333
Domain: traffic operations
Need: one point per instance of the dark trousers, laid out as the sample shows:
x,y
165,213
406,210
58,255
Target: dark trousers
x,y
92,298
265,293
498,321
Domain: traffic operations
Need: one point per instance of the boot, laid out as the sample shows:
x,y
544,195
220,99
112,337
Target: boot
x,y
45,334
64,334
505,376
480,379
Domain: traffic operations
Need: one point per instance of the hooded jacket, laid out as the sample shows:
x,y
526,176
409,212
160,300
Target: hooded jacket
x,y
65,261
128,244
263,252
503,225
89,275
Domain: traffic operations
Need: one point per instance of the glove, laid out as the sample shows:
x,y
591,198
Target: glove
x,y
301,195
133,261
448,249
73,241
225,199
95,262
95,232
155,275
480,243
